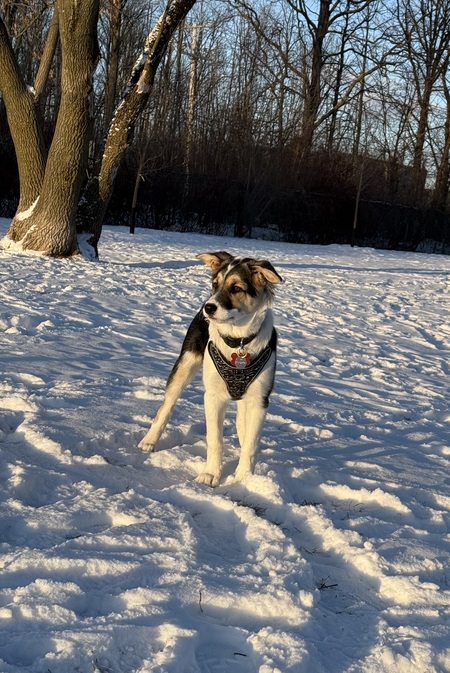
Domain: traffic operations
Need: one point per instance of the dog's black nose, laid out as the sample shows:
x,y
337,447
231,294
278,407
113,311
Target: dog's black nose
x,y
210,309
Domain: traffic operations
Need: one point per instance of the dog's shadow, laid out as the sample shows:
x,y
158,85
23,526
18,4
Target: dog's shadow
x,y
192,437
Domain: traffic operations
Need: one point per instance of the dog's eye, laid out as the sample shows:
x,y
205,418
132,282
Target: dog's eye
x,y
236,289
215,284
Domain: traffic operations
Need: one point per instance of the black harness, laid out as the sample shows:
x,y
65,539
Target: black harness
x,y
238,380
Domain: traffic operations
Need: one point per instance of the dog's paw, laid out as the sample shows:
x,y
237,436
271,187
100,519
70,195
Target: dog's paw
x,y
208,479
145,446
241,474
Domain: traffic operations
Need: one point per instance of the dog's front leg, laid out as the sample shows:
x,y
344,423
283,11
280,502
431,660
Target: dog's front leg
x,y
184,370
250,419
215,408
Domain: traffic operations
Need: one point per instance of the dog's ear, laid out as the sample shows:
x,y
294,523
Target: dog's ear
x,y
265,270
215,259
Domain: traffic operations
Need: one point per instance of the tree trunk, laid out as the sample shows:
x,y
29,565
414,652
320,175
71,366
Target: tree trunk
x,y
49,226
441,186
418,172
99,189
46,62
26,131
313,89
115,34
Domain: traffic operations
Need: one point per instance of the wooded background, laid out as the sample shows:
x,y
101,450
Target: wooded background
x,y
321,122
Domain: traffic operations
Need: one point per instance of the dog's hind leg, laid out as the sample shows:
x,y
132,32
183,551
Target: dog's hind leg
x,y
184,370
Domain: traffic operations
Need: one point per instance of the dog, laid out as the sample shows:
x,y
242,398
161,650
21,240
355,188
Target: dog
x,y
234,337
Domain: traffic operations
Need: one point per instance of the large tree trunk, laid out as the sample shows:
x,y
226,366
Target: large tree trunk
x,y
50,224
99,188
26,131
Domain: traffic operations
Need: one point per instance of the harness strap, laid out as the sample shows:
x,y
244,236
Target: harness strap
x,y
238,380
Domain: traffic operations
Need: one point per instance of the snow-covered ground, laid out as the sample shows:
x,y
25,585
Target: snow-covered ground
x,y
333,558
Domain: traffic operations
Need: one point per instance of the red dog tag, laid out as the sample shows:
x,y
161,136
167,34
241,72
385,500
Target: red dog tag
x,y
240,361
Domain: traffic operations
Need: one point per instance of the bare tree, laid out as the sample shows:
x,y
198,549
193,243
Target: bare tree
x,y
426,31
328,34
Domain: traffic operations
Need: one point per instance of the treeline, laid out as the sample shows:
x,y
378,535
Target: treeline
x,y
274,119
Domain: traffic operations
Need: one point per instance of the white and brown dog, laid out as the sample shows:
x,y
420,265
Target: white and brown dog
x,y
234,336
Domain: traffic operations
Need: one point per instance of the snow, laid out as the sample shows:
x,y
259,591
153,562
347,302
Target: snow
x,y
24,215
333,558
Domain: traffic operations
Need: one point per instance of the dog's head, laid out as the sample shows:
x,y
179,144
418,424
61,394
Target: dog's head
x,y
241,287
